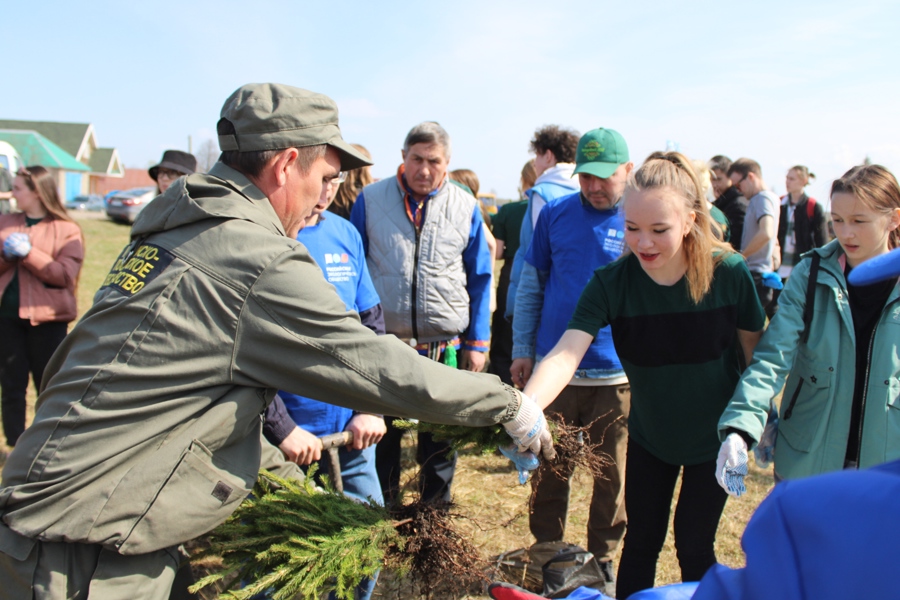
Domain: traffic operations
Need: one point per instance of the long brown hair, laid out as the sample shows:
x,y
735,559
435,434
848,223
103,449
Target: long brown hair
x,y
702,250
876,188
40,181
528,177
355,181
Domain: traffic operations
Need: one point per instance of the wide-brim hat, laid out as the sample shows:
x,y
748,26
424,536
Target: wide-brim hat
x,y
600,153
176,160
271,116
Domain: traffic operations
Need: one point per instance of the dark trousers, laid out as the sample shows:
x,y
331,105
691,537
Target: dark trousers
x,y
649,486
501,330
24,349
435,468
766,295
606,406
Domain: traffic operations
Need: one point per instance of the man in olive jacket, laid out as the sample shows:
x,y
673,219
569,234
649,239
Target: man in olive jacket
x,y
147,431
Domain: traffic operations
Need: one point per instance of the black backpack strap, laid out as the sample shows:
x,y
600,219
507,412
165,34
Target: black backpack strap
x,y
810,296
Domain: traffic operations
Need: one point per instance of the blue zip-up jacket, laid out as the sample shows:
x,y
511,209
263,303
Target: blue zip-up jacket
x,y
551,185
814,419
571,241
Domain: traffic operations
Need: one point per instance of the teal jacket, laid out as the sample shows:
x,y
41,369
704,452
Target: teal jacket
x,y
814,418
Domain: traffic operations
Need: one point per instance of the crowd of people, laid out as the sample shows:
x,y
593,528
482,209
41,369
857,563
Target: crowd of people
x,y
663,305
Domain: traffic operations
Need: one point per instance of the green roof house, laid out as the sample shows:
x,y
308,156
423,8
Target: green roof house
x,y
69,149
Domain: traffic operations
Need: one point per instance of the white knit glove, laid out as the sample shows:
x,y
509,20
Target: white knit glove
x,y
17,245
529,429
731,465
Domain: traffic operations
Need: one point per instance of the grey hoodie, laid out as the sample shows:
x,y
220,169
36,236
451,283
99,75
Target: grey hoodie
x,y
147,433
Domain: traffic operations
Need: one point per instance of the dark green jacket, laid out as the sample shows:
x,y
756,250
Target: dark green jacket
x,y
147,433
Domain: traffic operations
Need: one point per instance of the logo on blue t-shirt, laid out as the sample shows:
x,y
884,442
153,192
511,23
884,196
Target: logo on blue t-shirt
x,y
338,268
614,241
337,258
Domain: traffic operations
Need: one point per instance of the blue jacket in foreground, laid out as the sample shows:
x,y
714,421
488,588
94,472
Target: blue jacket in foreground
x,y
832,537
814,421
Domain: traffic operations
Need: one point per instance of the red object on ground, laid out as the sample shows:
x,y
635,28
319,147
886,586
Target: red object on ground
x,y
508,591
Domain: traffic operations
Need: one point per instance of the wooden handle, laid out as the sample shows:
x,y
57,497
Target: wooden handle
x,y
336,440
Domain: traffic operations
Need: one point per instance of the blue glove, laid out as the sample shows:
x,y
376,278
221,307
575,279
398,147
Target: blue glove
x,y
772,280
17,245
524,461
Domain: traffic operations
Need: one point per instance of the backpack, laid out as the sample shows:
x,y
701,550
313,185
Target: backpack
x,y
810,295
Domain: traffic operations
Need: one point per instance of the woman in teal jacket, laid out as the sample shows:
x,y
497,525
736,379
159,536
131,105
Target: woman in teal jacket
x,y
841,405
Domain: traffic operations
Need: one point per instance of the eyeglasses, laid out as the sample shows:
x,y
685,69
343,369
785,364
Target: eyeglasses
x,y
738,183
336,181
168,174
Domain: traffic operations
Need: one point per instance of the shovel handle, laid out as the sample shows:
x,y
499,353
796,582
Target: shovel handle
x,y
336,440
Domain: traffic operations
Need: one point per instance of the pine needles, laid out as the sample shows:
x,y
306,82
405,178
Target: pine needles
x,y
484,440
291,539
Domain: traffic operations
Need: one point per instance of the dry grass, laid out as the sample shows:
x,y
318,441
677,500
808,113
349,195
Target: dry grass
x,y
486,488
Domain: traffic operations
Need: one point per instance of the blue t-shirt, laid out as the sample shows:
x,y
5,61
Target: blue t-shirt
x,y
571,240
335,245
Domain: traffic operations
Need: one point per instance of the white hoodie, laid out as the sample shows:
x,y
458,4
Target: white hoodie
x,y
560,174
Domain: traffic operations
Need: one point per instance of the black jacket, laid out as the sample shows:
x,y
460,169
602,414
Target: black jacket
x,y
735,207
809,232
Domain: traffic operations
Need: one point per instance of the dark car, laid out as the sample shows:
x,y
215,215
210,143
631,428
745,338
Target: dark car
x,y
91,202
124,206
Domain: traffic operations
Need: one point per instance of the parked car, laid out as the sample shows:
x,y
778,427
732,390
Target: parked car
x,y
9,158
125,206
91,202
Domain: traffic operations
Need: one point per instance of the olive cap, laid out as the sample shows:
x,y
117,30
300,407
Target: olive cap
x,y
272,116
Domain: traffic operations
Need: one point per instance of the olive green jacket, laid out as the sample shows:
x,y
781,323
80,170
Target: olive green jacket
x,y
147,433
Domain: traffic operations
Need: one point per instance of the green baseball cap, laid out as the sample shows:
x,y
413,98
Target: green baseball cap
x,y
271,116
600,152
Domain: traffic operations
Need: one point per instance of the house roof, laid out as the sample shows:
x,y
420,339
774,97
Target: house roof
x,y
74,138
105,161
35,149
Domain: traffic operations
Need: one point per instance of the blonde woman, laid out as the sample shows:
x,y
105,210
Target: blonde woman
x,y
682,308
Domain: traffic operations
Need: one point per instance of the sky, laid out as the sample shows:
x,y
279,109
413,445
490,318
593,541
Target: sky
x,y
784,83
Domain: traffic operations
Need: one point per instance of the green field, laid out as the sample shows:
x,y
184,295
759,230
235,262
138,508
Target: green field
x,y
486,487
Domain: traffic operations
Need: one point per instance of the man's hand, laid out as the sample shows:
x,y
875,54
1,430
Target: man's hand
x,y
301,447
521,371
367,429
471,360
529,429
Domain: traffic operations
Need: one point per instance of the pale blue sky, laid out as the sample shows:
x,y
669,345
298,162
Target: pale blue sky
x,y
814,83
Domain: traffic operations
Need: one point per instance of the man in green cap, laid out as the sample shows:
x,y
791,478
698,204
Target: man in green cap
x,y
147,431
575,235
